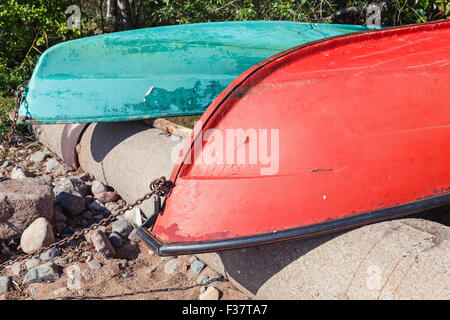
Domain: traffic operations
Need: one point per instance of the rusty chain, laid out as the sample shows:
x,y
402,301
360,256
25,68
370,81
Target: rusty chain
x,y
19,95
160,187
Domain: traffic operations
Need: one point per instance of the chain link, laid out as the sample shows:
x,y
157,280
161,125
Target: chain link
x,y
160,187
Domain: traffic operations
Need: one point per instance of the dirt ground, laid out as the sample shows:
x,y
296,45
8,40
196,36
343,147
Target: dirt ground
x,y
108,282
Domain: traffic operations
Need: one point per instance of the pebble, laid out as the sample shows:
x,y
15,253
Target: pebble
x,y
197,266
61,260
115,239
133,216
5,284
50,254
20,173
126,275
101,242
202,289
210,294
94,265
4,165
39,157
38,235
122,227
45,272
171,266
109,196
98,188
202,279
31,263
15,268
52,165
97,206
192,259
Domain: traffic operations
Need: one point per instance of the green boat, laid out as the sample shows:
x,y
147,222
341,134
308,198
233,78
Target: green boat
x,y
155,72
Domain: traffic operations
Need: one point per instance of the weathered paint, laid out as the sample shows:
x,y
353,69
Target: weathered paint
x,y
363,138
155,72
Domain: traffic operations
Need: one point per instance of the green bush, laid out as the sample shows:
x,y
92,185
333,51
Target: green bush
x,y
28,27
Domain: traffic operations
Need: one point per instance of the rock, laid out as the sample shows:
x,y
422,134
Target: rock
x,y
133,236
38,235
71,203
21,173
47,179
50,254
45,272
202,289
5,284
94,265
53,165
80,185
197,266
59,227
210,294
97,206
101,243
98,188
31,263
126,275
87,215
109,196
66,185
21,202
133,216
39,157
85,176
61,260
192,259
98,217
15,268
122,227
59,216
202,279
171,266
4,165
115,239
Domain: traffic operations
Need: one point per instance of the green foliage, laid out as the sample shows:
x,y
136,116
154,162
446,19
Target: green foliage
x,y
29,27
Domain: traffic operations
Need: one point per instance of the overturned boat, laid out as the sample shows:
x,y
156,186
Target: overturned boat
x,y
155,72
329,135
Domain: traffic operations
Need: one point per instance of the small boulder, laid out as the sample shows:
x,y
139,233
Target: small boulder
x,y
115,239
39,157
109,196
50,254
45,272
38,235
31,263
197,266
52,165
22,202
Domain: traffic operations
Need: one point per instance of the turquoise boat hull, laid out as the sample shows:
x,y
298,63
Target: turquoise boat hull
x,y
155,72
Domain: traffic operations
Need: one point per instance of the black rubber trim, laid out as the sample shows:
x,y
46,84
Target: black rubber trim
x,y
169,249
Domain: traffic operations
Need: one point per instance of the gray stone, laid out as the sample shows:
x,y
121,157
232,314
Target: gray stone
x,y
61,260
80,185
127,275
101,243
45,272
21,173
171,266
98,217
98,188
94,265
210,294
87,215
197,266
85,176
66,185
38,235
50,254
5,284
38,157
202,279
15,268
52,165
202,289
192,259
71,203
122,227
115,239
133,236
133,216
22,202
31,263
4,165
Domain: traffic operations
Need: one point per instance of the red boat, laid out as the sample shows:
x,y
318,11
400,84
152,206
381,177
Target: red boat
x,y
329,135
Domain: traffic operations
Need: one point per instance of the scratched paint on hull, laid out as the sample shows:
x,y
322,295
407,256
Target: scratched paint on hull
x,y
149,73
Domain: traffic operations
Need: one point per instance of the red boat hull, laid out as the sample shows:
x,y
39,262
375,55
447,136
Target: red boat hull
x,y
356,130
